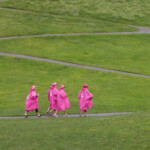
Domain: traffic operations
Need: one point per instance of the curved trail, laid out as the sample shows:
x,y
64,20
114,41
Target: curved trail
x,y
71,64
71,115
141,30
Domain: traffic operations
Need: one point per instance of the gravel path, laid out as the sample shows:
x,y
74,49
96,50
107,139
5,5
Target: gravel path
x,y
71,115
72,64
141,31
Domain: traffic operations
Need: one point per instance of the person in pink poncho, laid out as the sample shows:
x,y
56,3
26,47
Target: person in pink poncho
x,y
85,100
50,110
32,102
52,97
63,101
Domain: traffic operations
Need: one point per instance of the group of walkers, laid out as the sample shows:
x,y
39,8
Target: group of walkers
x,y
58,100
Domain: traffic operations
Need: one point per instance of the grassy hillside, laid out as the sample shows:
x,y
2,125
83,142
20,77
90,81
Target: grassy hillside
x,y
131,12
121,52
124,132
29,23
112,92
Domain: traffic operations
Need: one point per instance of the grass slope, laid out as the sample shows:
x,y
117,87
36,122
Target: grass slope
x,y
92,133
30,23
131,12
120,52
112,92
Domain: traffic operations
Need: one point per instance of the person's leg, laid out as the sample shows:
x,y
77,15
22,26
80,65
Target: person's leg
x,y
51,111
37,111
85,113
47,111
38,114
55,113
26,114
65,113
80,114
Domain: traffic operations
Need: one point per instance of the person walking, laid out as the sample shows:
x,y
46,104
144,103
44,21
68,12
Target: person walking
x,y
63,101
85,100
54,99
32,102
50,108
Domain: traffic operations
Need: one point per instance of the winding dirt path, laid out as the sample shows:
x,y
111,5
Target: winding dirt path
x,y
141,30
71,64
70,115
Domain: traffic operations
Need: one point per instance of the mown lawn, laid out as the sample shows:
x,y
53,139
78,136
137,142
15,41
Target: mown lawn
x,y
131,12
29,23
124,132
112,92
129,53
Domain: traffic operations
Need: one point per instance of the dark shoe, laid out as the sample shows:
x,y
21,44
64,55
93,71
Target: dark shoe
x,y
47,114
66,115
25,116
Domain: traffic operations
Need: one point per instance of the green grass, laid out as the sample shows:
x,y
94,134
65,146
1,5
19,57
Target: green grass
x,y
120,52
131,12
112,92
124,132
29,23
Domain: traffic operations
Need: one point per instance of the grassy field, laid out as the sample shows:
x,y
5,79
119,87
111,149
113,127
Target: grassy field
x,y
131,12
126,132
120,52
30,23
112,92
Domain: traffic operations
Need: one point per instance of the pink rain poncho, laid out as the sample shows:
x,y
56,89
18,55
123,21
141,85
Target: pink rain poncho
x,y
54,98
63,101
85,99
32,100
50,96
